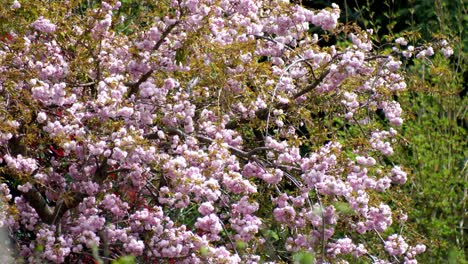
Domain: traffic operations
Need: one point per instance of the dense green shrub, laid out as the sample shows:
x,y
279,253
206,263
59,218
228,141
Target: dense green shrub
x,y
436,126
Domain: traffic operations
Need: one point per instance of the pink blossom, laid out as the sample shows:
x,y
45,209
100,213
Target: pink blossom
x,y
401,41
43,25
285,215
398,175
447,51
177,141
396,245
41,117
341,246
206,208
135,247
15,5
210,223
25,187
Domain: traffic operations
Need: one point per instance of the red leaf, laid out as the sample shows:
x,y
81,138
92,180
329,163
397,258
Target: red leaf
x,y
58,152
6,38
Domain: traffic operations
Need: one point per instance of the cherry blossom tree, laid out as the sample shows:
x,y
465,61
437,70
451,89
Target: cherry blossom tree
x,y
216,131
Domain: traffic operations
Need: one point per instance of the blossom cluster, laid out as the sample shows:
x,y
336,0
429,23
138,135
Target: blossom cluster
x,y
190,140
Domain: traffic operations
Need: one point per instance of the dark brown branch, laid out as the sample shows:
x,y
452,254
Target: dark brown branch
x,y
136,85
45,212
67,204
102,171
51,215
119,170
104,246
311,86
38,202
164,35
153,194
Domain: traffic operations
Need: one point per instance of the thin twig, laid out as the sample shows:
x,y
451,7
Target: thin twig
x,y
383,241
88,84
229,237
276,88
323,223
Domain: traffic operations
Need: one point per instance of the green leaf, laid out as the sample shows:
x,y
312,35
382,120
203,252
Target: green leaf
x,y
125,260
180,56
452,255
304,258
241,245
344,208
39,248
204,251
272,234
95,251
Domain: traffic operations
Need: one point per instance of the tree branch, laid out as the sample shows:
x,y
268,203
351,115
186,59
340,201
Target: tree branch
x,y
136,85
312,86
207,140
45,212
262,114
51,215
38,202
